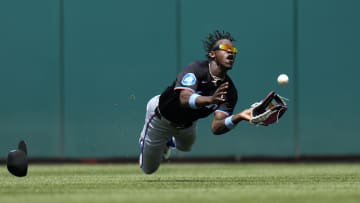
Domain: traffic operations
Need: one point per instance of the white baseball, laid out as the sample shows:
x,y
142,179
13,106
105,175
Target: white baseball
x,y
283,79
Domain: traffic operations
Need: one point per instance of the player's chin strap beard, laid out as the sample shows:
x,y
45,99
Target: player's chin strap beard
x,y
216,80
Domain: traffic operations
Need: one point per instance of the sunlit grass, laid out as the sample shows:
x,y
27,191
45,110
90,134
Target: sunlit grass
x,y
184,183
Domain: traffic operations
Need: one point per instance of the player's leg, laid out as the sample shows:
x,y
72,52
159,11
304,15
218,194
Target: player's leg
x,y
153,147
152,140
150,107
185,138
170,144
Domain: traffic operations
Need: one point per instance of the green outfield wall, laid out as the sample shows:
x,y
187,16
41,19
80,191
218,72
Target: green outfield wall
x,y
75,75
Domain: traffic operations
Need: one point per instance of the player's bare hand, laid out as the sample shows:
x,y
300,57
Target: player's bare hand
x,y
245,114
220,94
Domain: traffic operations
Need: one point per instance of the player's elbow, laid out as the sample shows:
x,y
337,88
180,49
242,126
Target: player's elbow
x,y
184,98
218,131
218,128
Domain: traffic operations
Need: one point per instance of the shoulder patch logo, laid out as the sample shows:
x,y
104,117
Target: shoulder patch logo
x,y
189,79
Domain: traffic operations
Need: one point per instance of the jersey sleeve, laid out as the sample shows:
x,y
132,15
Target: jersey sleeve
x,y
226,108
188,78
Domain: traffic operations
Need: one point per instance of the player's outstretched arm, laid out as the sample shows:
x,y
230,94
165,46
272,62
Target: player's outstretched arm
x,y
222,123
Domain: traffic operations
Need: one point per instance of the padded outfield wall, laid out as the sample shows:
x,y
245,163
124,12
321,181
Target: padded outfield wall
x,y
75,75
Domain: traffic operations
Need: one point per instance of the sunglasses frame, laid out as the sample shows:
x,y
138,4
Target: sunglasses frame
x,y
226,48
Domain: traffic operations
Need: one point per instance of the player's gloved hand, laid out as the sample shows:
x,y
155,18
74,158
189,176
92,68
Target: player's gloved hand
x,y
269,110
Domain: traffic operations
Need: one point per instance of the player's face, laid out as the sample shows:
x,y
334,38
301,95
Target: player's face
x,y
224,53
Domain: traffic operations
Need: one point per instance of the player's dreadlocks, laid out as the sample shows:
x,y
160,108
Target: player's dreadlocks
x,y
212,38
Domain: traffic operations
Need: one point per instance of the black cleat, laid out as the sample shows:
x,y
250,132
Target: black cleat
x,y
17,162
22,146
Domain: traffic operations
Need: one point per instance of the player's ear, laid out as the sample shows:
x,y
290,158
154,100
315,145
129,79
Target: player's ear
x,y
211,54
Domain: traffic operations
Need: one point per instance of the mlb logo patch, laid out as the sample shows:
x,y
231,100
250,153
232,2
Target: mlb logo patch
x,y
189,79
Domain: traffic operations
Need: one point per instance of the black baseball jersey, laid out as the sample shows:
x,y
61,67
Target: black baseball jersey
x,y
196,78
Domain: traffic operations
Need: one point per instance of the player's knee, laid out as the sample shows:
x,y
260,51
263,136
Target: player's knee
x,y
149,171
184,146
149,168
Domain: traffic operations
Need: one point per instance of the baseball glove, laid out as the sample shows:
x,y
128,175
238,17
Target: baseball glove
x,y
269,110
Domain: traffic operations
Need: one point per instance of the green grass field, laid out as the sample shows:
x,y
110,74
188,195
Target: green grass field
x,y
185,183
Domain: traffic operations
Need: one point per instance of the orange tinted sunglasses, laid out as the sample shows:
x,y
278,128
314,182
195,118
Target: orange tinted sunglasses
x,y
225,47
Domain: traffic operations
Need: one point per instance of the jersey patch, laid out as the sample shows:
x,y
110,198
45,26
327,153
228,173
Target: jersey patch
x,y
189,79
